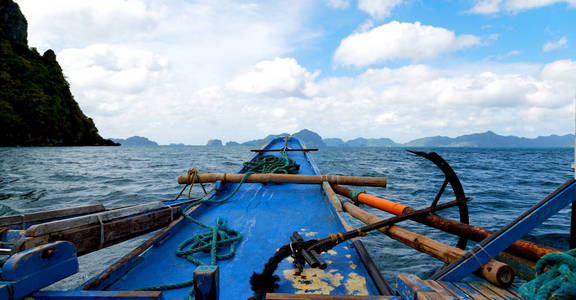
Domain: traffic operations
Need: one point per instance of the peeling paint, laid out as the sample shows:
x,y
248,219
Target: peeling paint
x,y
332,252
353,266
310,234
314,281
348,255
356,284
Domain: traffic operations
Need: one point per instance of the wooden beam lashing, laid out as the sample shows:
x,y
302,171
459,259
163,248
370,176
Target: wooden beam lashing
x,y
286,178
48,215
60,225
494,271
87,238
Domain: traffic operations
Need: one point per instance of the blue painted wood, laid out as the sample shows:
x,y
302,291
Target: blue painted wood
x,y
454,289
206,283
97,295
107,277
33,269
497,242
266,215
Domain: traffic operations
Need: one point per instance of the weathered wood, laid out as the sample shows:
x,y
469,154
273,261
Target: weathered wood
x,y
94,295
87,238
521,248
494,271
280,296
206,283
486,292
59,225
503,292
454,290
410,286
129,259
474,294
50,214
286,178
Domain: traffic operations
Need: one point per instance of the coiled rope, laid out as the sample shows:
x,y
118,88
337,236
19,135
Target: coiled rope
x,y
220,236
558,283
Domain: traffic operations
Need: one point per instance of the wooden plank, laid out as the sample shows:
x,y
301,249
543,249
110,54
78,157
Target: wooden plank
x,y
468,290
514,291
87,238
488,293
411,286
281,296
440,291
49,214
286,178
454,290
92,295
55,226
506,294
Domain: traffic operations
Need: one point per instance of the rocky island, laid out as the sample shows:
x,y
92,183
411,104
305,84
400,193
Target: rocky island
x,y
36,105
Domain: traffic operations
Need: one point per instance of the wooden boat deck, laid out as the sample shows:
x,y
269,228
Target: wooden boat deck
x,y
412,287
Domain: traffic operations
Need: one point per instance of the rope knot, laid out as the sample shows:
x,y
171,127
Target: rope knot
x,y
354,196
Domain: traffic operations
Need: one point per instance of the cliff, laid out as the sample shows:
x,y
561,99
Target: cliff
x,y
36,105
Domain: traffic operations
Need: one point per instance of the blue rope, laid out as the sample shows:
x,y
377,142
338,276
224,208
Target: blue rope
x,y
558,283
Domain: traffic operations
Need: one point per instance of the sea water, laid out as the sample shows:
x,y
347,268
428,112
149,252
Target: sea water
x,y
501,182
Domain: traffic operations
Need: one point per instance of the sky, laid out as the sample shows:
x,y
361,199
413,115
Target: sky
x,y
183,71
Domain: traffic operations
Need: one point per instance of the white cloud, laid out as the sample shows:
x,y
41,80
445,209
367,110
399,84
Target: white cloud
x,y
402,103
512,6
378,9
397,40
520,5
555,45
282,75
486,7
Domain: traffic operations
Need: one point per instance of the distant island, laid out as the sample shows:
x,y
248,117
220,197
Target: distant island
x,y
36,105
136,141
487,139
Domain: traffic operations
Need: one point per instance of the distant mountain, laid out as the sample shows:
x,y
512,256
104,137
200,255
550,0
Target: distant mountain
x,y
261,142
214,143
487,139
334,142
362,142
135,141
310,138
490,139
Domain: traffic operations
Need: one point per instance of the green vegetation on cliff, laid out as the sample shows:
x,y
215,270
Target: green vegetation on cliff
x,y
36,105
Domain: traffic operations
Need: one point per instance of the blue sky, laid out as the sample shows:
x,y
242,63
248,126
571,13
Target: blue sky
x,y
181,71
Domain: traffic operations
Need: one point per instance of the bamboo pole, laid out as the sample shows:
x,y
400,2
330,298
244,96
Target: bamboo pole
x,y
494,271
522,248
285,178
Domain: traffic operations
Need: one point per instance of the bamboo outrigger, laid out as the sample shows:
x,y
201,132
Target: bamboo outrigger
x,y
287,254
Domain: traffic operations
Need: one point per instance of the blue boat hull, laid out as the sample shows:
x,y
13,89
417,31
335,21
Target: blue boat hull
x,y
266,215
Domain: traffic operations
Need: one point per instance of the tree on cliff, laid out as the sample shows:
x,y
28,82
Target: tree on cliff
x,y
36,105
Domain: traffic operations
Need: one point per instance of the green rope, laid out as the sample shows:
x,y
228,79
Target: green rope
x,y
558,283
354,195
220,236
